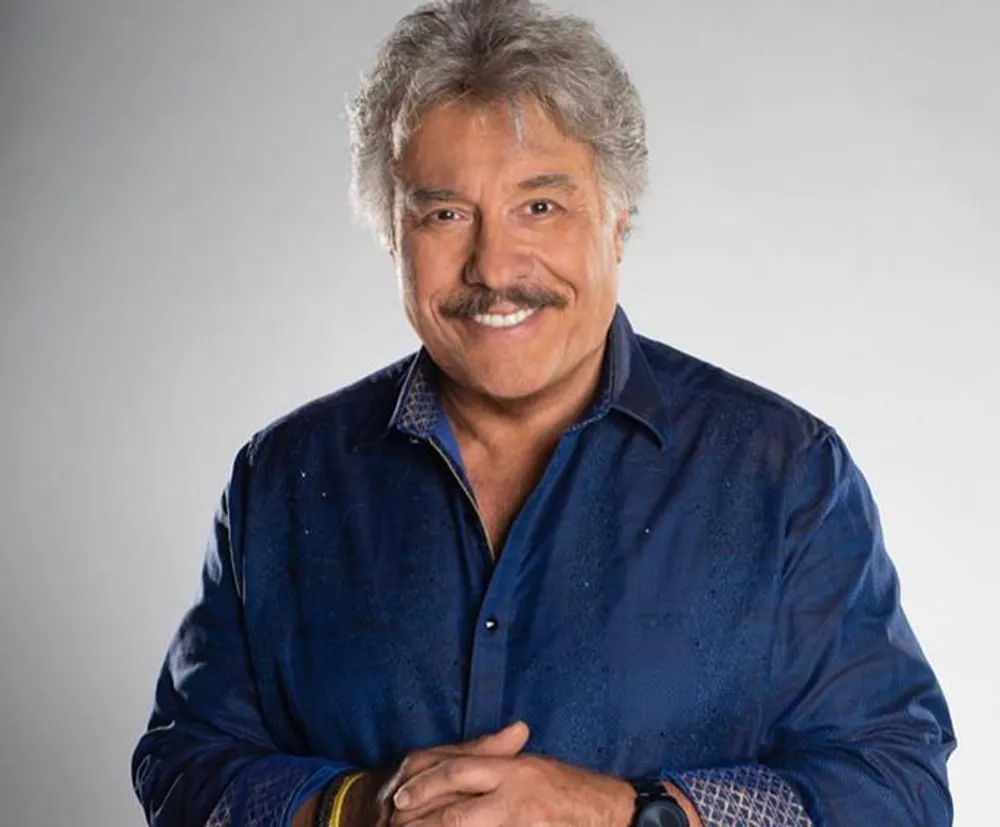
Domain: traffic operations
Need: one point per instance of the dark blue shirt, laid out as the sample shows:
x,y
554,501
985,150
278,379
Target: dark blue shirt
x,y
696,589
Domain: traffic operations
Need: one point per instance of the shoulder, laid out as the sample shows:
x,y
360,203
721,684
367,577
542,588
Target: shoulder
x,y
729,412
334,420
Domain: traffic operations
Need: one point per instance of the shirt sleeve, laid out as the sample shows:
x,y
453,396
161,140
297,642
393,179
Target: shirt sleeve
x,y
206,757
857,730
744,796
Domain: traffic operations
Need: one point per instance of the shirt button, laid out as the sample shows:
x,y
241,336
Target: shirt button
x,y
491,624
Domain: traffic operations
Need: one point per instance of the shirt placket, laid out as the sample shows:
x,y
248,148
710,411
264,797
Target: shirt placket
x,y
489,659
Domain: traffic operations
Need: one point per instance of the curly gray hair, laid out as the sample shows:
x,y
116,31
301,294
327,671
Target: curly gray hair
x,y
490,50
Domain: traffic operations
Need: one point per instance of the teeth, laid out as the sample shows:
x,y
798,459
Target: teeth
x,y
504,320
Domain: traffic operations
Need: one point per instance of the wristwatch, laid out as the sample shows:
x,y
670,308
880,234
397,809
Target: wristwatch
x,y
655,807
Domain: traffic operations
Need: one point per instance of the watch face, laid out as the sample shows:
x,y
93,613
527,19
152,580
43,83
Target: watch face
x,y
664,813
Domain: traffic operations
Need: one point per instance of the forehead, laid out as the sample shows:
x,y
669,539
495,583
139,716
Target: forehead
x,y
458,138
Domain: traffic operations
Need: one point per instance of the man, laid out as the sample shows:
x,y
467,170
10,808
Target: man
x,y
546,571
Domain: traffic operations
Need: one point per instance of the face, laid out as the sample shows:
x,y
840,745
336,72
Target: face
x,y
508,261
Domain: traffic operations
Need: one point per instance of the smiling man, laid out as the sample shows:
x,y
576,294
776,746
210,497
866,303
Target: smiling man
x,y
545,571
508,258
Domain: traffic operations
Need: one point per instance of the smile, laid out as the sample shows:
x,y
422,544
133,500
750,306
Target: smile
x,y
504,319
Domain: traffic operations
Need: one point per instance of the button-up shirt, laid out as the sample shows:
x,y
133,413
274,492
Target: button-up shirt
x,y
696,589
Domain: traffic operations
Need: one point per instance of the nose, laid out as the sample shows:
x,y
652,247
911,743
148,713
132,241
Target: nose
x,y
498,258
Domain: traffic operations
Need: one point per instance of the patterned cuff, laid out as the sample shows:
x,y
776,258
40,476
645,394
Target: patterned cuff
x,y
267,792
745,796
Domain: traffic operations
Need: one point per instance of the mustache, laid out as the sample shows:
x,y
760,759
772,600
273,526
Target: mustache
x,y
478,300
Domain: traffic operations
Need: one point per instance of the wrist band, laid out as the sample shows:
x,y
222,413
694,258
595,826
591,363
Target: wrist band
x,y
337,808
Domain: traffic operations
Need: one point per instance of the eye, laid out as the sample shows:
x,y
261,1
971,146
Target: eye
x,y
542,207
441,216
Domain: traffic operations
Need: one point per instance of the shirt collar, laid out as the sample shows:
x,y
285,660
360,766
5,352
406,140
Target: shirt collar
x,y
627,385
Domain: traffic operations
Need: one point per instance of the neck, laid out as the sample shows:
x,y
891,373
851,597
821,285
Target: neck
x,y
532,423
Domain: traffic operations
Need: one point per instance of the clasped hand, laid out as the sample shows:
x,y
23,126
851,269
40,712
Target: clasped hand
x,y
490,782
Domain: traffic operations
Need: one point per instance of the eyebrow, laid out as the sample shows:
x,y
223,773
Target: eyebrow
x,y
549,180
428,195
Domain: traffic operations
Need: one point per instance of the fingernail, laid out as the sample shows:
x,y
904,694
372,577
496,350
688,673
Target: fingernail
x,y
401,798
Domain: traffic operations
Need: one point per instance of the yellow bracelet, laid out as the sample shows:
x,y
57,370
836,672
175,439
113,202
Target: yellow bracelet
x,y
341,797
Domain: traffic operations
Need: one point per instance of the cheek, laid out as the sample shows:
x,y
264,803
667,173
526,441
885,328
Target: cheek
x,y
429,269
413,272
586,263
408,274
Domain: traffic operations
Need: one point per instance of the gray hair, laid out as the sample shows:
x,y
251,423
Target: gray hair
x,y
489,50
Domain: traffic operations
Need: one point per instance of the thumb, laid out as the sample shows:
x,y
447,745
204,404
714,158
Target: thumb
x,y
508,741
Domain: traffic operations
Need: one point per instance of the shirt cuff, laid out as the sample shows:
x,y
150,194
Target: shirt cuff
x,y
744,796
269,791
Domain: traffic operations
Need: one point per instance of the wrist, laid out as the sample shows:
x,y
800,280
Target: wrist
x,y
337,803
624,805
361,806
661,802
685,803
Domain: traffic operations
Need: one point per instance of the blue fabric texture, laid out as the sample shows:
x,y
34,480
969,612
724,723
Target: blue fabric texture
x,y
697,589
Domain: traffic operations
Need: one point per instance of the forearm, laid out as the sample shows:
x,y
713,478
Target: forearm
x,y
740,796
882,784
748,796
307,814
207,756
226,786
837,786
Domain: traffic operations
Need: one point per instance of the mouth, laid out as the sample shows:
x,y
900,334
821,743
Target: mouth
x,y
504,320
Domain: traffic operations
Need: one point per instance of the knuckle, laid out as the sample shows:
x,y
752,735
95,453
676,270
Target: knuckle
x,y
452,771
409,763
533,812
530,767
412,764
404,768
453,817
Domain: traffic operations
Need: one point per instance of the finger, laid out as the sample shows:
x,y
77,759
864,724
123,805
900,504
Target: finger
x,y
475,811
413,764
473,774
401,818
508,741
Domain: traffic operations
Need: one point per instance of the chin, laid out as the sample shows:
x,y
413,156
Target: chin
x,y
510,385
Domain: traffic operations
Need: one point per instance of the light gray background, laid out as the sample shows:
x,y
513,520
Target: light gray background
x,y
179,267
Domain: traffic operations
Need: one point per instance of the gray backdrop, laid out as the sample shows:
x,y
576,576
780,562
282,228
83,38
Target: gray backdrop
x,y
179,267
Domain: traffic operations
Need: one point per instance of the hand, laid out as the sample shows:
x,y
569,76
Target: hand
x,y
487,788
507,742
